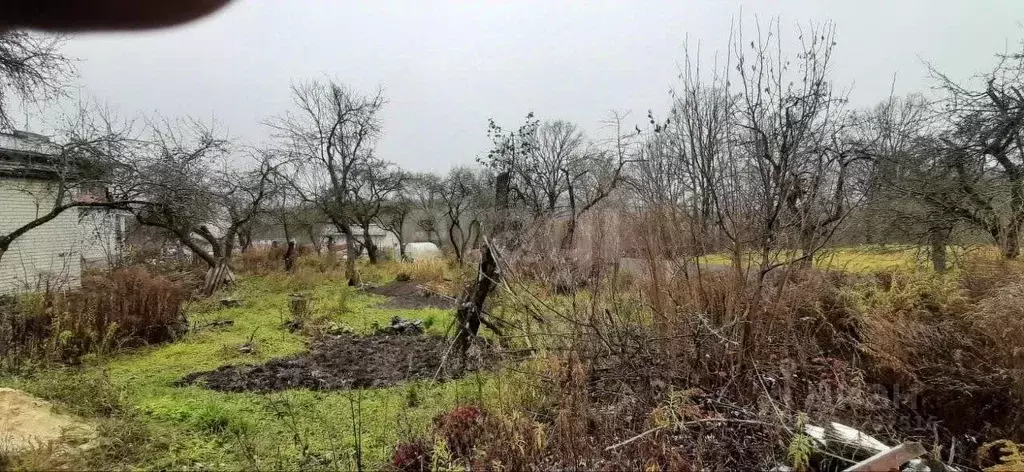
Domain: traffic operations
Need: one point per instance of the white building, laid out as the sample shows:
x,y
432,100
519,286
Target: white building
x,y
386,241
53,254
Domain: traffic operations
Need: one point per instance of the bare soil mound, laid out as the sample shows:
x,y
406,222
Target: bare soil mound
x,y
335,363
410,296
27,422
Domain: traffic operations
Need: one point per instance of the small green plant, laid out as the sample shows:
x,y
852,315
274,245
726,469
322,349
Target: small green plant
x,y
341,300
440,456
801,446
412,395
215,420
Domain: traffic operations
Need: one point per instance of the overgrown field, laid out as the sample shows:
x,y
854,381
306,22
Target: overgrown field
x,y
134,393
625,371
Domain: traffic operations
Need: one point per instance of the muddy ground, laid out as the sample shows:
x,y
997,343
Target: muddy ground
x,y
409,296
335,363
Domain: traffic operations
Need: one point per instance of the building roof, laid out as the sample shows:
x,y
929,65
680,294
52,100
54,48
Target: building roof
x,y
27,155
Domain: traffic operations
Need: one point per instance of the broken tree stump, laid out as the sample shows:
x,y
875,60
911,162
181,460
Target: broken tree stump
x,y
469,315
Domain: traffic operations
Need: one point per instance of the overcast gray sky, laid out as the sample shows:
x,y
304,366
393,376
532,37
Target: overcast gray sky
x,y
448,66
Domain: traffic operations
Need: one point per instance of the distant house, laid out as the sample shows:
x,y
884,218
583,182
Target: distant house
x,y
53,254
385,240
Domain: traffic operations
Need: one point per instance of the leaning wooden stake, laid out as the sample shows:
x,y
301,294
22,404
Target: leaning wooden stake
x,y
217,277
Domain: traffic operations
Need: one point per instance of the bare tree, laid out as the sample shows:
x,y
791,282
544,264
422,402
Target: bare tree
x,y
956,162
688,173
790,161
374,183
981,147
461,193
32,69
192,190
559,150
331,131
395,213
511,148
592,175
424,190
754,158
904,187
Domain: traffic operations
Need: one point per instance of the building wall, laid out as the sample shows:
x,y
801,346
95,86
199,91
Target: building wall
x,y
101,232
47,255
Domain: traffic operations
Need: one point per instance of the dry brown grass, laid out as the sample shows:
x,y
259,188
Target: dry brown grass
x,y
986,271
905,351
260,261
423,271
948,344
128,306
1001,318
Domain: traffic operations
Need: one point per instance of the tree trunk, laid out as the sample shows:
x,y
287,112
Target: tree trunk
x,y
455,243
287,229
502,188
350,260
244,240
371,248
570,234
315,241
401,246
570,229
470,312
1012,247
938,238
289,257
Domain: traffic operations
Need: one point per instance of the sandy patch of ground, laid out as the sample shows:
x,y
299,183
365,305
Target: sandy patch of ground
x,y
27,423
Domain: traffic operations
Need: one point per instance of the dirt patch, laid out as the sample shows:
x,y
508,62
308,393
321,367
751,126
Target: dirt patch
x,y
335,363
27,422
410,296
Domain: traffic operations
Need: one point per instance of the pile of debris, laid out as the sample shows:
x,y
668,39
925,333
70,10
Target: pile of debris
x,y
837,440
401,326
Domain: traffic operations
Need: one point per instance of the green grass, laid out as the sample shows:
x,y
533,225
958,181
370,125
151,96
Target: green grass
x,y
206,429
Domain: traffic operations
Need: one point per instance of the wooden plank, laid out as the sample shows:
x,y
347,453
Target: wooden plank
x,y
890,459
